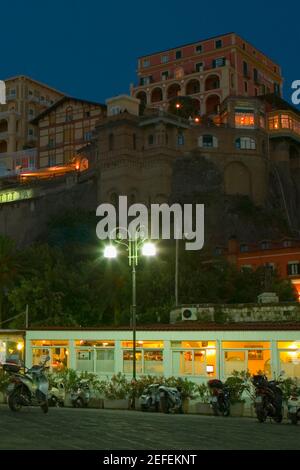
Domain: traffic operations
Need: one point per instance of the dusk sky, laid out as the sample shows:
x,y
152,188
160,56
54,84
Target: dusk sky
x,y
89,48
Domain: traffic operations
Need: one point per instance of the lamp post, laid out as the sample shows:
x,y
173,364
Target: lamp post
x,y
134,246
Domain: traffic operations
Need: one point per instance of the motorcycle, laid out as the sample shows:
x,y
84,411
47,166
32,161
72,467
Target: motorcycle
x,y
220,397
56,395
294,406
81,395
170,399
268,399
28,388
150,399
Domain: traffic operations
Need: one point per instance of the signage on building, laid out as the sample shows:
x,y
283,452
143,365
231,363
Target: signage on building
x,y
14,195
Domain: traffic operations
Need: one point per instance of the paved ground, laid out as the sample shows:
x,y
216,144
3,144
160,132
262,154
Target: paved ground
x,y
65,428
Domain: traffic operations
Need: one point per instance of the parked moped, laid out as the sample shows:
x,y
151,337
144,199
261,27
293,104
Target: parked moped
x,y
220,397
150,399
294,406
170,399
27,388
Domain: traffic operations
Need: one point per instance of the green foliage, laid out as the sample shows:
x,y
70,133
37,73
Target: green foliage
x,y
204,393
4,380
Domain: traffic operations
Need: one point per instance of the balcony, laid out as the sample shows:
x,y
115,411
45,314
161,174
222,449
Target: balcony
x,y
283,124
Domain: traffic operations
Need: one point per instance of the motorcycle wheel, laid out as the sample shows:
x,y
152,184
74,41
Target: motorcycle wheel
x,y
78,403
164,403
278,418
45,407
294,419
14,402
261,415
215,409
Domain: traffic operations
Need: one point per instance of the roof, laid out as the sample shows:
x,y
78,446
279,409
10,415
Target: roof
x,y
187,326
279,103
34,81
61,101
185,45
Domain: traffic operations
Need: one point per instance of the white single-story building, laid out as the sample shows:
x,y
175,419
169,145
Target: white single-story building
x,y
190,349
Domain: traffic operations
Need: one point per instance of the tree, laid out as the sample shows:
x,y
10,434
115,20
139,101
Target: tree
x,y
8,270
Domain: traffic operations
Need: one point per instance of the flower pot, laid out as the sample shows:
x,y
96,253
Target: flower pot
x,y
3,398
96,403
185,405
203,408
67,400
116,404
237,409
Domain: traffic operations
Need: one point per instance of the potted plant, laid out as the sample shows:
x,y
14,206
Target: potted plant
x,y
203,405
237,386
187,389
117,391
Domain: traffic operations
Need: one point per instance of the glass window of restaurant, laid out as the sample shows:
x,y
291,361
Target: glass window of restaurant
x,y
95,356
11,349
289,357
244,118
58,350
149,357
194,358
254,356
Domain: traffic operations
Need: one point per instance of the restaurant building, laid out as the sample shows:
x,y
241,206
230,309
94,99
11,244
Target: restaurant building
x,y
191,349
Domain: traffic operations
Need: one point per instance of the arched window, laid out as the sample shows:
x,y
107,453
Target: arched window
x,y
151,139
111,142
245,143
208,141
180,138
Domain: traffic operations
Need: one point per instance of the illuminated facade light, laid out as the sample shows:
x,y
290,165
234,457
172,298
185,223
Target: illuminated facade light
x,y
149,249
110,251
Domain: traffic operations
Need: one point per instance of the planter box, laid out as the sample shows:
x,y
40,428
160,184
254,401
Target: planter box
x,y
237,409
96,403
116,404
186,405
203,408
3,398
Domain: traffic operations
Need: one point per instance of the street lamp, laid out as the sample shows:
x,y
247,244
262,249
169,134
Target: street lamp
x,y
135,244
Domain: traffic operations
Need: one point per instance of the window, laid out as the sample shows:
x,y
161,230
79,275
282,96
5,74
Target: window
x,y
199,67
289,357
30,132
145,80
51,142
31,113
255,75
164,59
69,114
149,357
146,63
88,135
220,62
178,55
218,44
151,139
245,69
265,245
194,358
199,49
52,160
180,139
293,268
245,143
57,350
165,75
276,89
249,355
208,141
12,92
95,356
246,87
111,142
244,248
287,243
244,118
87,114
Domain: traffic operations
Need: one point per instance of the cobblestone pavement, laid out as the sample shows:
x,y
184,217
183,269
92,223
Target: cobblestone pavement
x,y
65,428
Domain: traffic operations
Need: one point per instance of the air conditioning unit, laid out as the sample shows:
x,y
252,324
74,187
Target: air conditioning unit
x,y
188,313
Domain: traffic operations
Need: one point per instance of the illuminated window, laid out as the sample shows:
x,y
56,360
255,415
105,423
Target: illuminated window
x,y
286,121
194,358
143,344
244,118
245,143
180,139
241,356
289,357
273,122
57,350
11,349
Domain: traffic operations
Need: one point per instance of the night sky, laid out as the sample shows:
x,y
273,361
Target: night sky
x,y
89,48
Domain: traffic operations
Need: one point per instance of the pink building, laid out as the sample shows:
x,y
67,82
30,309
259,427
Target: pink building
x,y
208,71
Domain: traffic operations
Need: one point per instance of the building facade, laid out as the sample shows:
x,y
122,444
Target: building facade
x,y
64,128
282,256
25,99
192,350
136,153
208,71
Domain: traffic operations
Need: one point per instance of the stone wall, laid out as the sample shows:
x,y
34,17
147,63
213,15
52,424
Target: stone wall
x,y
239,313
